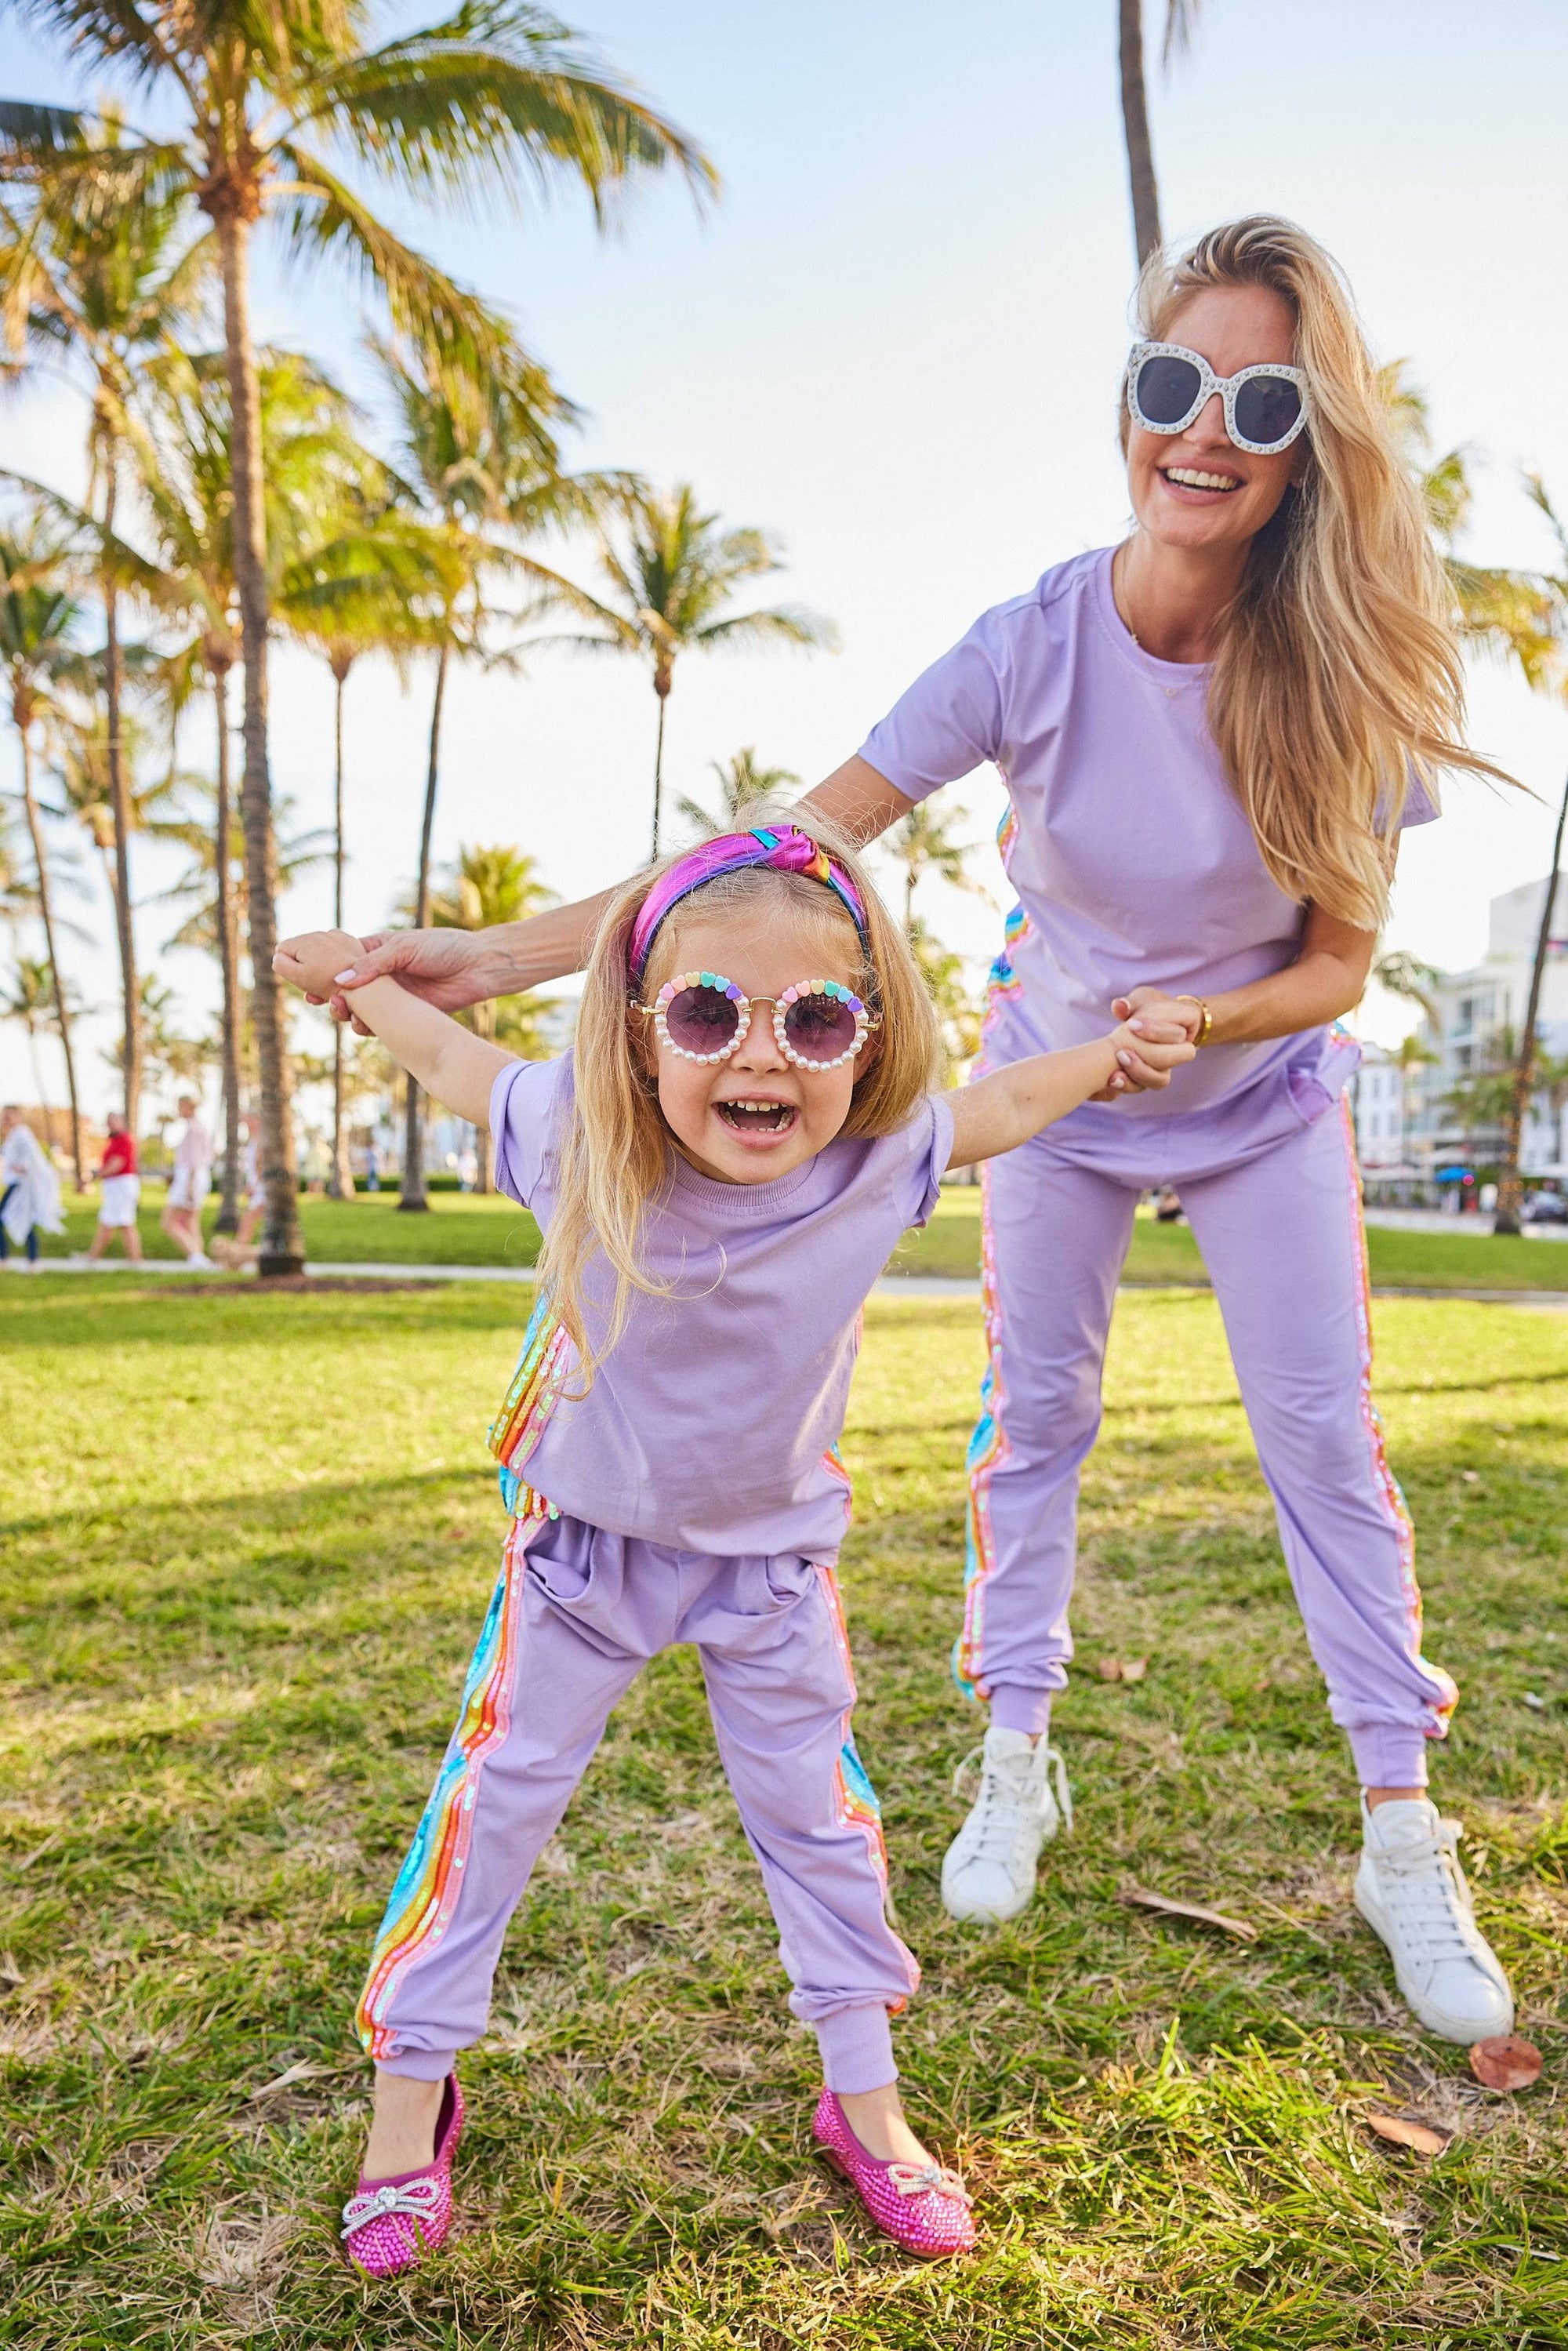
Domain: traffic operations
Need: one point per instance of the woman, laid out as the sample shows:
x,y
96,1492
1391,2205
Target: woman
x,y
1211,735
29,1189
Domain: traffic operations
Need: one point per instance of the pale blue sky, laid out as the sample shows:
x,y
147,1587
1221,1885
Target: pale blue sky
x,y
896,340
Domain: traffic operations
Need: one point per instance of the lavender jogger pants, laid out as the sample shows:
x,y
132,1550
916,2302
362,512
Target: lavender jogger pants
x,y
575,1616
1275,1207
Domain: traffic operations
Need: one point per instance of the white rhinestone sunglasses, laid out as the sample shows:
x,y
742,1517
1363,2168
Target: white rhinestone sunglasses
x,y
1266,406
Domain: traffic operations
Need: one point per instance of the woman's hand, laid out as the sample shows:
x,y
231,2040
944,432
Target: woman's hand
x,y
446,968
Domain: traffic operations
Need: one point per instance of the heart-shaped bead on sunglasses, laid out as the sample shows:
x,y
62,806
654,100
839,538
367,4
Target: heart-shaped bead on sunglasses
x,y
700,1016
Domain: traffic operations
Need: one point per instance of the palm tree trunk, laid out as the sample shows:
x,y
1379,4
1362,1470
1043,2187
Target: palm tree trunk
x,y
45,915
411,1195
335,1185
282,1248
663,694
228,960
1135,121
1510,1187
120,802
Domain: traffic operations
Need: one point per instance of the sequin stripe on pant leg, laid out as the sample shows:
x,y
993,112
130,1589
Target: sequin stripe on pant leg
x,y
425,1892
855,1802
987,1450
1390,1492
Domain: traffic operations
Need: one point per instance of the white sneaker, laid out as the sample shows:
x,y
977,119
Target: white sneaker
x,y
1412,1892
200,1262
988,1872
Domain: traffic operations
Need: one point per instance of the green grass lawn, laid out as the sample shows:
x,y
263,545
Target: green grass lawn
x,y
247,1542
950,1244
461,1229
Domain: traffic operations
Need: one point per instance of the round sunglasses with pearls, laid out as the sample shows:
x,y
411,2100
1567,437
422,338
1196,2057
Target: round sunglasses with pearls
x,y
1265,405
700,1016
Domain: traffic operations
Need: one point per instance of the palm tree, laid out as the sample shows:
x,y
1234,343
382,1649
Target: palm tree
x,y
326,498
108,286
494,99
669,590
1509,1190
486,463
31,1003
923,842
485,886
38,619
741,778
1181,16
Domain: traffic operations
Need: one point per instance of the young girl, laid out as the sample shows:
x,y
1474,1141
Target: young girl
x,y
720,1168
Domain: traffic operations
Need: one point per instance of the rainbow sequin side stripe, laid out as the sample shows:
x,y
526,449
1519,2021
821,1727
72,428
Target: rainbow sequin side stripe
x,y
855,1805
1389,1493
987,1450
424,1896
527,1407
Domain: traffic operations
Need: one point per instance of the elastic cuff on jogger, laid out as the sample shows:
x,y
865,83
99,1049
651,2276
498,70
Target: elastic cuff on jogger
x,y
857,2050
1388,1757
1014,1708
420,2064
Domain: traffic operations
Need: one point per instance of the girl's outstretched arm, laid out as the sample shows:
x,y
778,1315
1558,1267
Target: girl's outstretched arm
x,y
450,1063
999,1113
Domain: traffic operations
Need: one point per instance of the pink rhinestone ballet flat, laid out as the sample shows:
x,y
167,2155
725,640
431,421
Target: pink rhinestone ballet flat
x,y
922,2207
390,2224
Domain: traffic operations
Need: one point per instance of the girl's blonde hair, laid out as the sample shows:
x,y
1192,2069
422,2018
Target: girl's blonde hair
x,y
616,1154
1337,675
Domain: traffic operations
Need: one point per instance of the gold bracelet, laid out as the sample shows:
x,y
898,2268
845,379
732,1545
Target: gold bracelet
x,y
1206,1027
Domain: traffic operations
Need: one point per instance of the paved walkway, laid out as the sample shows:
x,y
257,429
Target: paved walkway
x,y
1433,1220
893,1285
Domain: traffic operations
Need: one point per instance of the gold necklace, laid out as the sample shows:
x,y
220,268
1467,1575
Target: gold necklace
x,y
1121,600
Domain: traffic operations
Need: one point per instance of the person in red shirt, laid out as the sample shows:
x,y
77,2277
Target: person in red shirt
x,y
120,1188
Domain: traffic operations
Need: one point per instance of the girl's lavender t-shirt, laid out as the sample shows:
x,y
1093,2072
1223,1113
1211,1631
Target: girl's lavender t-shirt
x,y
713,1424
1133,858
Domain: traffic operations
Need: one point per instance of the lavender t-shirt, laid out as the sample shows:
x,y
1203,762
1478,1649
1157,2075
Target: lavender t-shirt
x,y
1132,856
712,1424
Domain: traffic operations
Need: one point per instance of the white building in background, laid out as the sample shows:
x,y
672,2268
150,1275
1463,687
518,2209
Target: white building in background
x,y
1382,1100
1470,1008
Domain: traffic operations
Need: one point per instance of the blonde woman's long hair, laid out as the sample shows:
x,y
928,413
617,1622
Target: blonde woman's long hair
x,y
616,1157
1337,675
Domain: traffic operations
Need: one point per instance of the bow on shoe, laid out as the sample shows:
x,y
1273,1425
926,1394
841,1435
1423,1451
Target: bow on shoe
x,y
927,2179
418,2199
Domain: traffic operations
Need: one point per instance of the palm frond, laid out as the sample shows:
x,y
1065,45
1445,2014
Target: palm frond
x,y
495,99
321,217
790,625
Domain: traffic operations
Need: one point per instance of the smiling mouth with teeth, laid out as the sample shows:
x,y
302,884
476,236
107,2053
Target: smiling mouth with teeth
x,y
756,1117
1187,478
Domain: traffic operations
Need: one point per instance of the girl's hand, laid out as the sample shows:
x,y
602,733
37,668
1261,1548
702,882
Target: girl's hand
x,y
1149,1050
311,960
1149,1017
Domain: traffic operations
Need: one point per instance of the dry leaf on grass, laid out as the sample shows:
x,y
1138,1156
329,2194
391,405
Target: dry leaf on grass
x,y
1141,1896
1507,2062
303,2071
1122,1669
1420,2136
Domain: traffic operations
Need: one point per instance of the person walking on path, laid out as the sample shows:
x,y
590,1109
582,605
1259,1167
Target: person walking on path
x,y
29,1190
721,1167
119,1190
189,1186
1211,734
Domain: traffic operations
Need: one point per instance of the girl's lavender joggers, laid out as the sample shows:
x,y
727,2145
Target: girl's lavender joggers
x,y
1275,1207
575,1616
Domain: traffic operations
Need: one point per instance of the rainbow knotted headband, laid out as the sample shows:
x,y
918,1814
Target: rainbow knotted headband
x,y
783,847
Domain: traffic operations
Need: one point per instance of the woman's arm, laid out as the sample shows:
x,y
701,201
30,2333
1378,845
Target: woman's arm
x,y
1327,978
998,1113
452,969
450,1063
